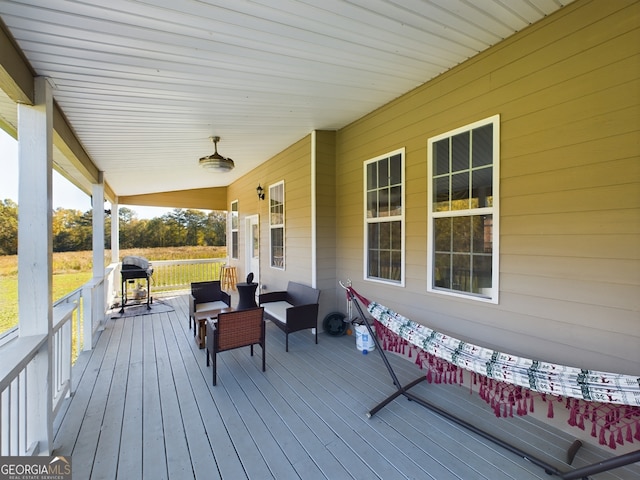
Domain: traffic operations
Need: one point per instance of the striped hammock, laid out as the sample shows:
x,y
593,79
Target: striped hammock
x,y
542,377
610,401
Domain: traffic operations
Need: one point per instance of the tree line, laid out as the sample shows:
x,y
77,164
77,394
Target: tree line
x,y
72,229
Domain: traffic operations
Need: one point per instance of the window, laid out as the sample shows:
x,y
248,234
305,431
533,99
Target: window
x,y
463,211
234,229
276,224
384,218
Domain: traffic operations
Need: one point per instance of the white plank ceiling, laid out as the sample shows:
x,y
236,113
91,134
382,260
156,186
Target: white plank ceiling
x,y
145,83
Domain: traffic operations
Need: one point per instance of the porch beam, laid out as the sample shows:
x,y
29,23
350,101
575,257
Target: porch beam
x,y
213,198
16,75
16,81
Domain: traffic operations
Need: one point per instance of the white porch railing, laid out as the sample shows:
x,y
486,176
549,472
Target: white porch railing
x,y
168,275
18,359
79,315
178,274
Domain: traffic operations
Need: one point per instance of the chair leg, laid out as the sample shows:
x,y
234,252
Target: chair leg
x,y
316,336
264,364
251,346
207,352
213,365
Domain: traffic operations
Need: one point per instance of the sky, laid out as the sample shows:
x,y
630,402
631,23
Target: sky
x,y
65,194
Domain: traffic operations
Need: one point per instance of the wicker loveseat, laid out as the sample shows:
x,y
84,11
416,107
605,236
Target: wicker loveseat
x,y
293,309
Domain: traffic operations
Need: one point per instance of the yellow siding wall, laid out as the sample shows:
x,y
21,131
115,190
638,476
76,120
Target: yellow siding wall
x,y
293,165
325,182
567,90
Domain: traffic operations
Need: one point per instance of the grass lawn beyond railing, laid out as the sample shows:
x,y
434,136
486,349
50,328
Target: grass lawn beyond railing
x,y
71,270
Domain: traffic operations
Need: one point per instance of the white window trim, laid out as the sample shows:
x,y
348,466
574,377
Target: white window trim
x,y
401,218
494,211
279,225
231,229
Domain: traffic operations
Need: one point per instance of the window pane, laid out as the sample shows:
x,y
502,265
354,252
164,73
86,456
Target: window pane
x,y
385,235
372,204
396,170
395,201
460,191
483,146
383,172
482,234
441,157
482,191
441,194
383,205
374,264
461,273
277,247
478,234
396,236
442,276
396,265
385,264
460,152
234,215
461,234
372,176
374,235
481,272
234,244
443,234
276,204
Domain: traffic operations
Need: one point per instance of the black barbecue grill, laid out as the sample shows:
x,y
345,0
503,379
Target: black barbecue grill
x,y
134,268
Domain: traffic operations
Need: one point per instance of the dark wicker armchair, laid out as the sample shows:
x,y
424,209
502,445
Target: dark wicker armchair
x,y
241,328
207,296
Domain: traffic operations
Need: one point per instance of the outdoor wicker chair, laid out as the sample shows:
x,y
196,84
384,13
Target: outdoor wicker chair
x,y
236,329
207,296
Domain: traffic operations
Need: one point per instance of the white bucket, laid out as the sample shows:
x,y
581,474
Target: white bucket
x,y
364,342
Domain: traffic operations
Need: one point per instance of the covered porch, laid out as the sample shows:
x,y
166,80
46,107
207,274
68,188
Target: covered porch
x,y
144,406
139,402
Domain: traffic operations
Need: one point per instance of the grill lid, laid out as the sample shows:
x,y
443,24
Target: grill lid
x,y
135,261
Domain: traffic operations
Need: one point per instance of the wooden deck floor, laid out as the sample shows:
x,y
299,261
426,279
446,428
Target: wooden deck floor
x,y
145,407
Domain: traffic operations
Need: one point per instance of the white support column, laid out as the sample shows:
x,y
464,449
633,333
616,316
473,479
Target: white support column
x,y
97,193
115,233
99,294
35,244
114,275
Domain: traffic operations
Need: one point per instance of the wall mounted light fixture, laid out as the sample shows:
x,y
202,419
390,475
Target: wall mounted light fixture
x,y
260,192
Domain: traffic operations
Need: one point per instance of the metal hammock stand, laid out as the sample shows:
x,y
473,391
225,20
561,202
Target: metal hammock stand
x,y
404,391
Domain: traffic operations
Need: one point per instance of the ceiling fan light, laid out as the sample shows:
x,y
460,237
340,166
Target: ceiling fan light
x,y
216,162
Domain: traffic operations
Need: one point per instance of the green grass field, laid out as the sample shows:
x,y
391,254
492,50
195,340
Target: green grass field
x,y
73,269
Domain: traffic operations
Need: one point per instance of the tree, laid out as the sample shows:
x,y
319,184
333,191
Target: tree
x,y
216,231
155,233
8,227
72,230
